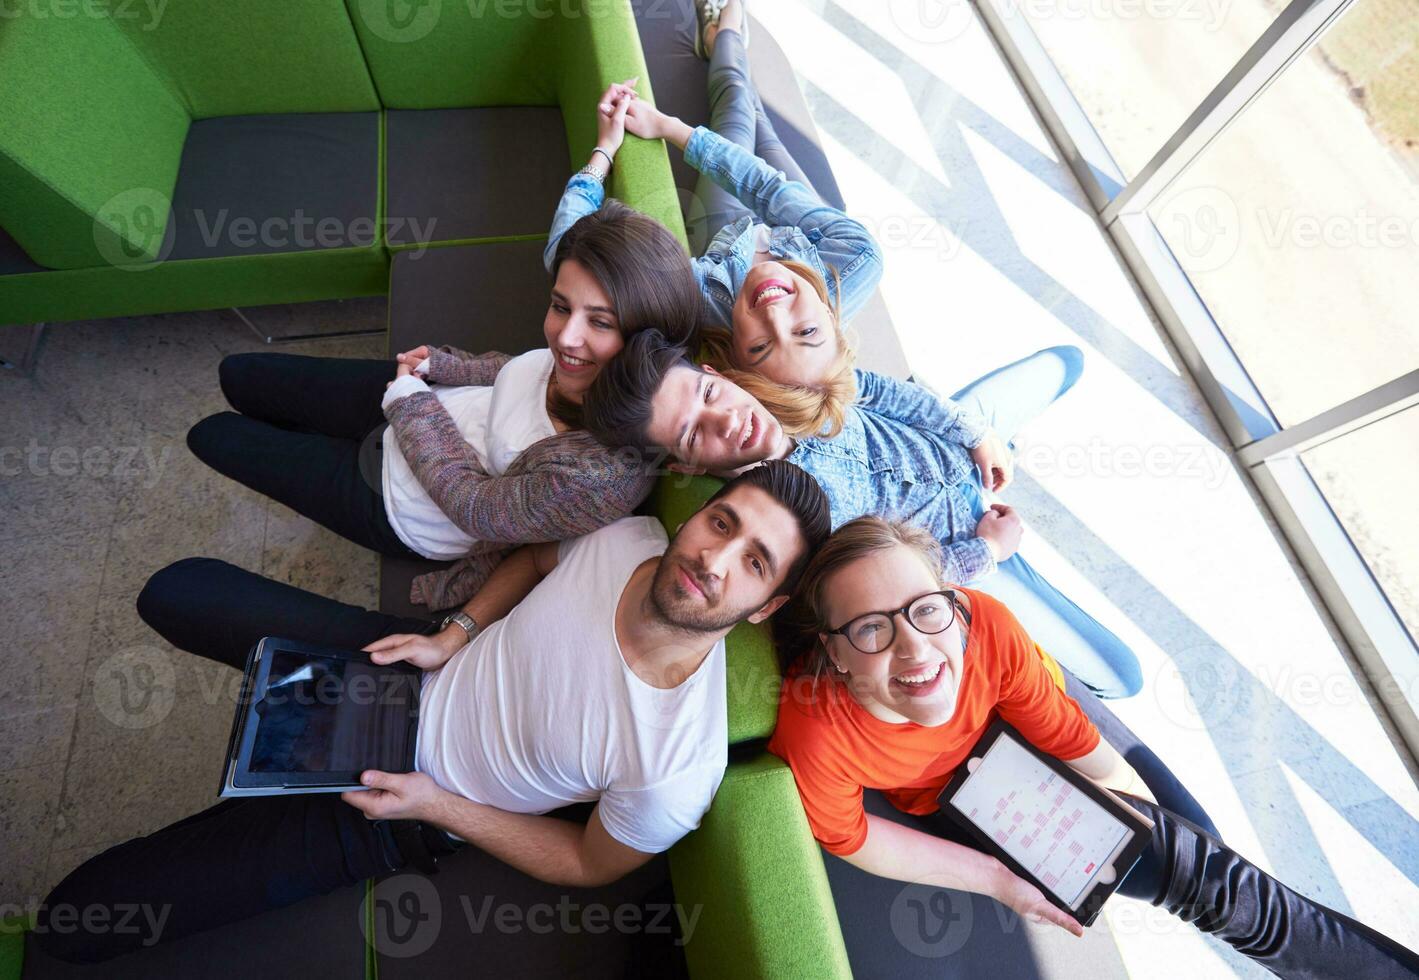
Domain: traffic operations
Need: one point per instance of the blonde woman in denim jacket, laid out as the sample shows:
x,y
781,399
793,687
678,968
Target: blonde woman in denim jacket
x,y
780,270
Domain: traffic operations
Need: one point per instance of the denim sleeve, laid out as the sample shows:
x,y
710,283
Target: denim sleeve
x,y
967,561
774,199
918,406
584,194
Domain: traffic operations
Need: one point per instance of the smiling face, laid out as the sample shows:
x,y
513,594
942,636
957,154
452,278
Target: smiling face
x,y
727,562
918,676
581,329
708,422
782,328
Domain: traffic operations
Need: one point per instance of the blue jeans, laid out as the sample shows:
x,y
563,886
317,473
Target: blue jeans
x,y
1009,397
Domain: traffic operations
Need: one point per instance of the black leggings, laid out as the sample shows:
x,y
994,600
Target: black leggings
x,y
307,432
246,856
1188,870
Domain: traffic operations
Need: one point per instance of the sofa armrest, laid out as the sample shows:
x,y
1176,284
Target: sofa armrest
x,y
599,44
755,877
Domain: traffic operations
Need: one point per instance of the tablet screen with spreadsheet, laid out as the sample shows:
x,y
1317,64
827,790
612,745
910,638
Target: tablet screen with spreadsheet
x,y
1071,838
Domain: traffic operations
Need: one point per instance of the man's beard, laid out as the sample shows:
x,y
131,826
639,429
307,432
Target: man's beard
x,y
683,611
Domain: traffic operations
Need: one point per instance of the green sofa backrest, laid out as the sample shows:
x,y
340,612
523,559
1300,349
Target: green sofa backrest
x,y
251,57
95,103
90,139
752,674
445,54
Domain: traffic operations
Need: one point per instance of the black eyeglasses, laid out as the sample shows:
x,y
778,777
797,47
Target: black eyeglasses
x,y
874,632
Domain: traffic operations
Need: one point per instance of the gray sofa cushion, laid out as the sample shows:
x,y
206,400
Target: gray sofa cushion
x,y
474,173
253,185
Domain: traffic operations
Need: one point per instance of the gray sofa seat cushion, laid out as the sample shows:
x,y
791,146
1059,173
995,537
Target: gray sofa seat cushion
x,y
456,174
253,185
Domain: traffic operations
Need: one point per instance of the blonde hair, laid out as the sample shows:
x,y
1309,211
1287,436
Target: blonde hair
x,y
802,410
807,616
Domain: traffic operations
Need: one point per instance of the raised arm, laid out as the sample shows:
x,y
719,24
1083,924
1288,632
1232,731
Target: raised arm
x,y
774,199
906,854
586,192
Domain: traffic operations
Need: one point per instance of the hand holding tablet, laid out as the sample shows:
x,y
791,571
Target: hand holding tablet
x,y
312,719
1047,823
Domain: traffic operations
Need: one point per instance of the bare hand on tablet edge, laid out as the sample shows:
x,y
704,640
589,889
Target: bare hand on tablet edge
x,y
1027,900
396,795
424,652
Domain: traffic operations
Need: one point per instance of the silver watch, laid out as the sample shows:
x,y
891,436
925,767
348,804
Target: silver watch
x,y
464,620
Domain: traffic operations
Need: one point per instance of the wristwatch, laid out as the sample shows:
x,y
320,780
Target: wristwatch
x,y
464,620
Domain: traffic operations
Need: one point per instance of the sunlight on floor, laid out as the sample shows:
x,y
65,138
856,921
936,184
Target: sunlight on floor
x,y
1135,509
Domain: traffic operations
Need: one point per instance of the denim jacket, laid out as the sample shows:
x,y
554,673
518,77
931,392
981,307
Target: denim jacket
x,y
903,453
803,229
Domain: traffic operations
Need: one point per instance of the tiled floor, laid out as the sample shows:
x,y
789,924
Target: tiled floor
x,y
105,731
1134,507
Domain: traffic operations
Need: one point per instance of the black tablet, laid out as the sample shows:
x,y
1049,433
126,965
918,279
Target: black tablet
x,y
1046,822
311,719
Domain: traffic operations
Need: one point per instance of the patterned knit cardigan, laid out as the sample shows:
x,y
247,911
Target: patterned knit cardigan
x,y
563,486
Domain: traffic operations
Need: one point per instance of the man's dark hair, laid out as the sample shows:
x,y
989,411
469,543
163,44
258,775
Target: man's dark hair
x,y
617,407
799,493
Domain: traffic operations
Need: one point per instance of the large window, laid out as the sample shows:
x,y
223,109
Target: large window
x,y
1370,478
1258,165
1299,225
1164,56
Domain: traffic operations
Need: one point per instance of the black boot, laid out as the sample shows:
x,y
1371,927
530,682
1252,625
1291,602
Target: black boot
x,y
1201,880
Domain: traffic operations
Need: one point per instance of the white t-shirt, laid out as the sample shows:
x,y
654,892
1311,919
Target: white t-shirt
x,y
541,710
498,421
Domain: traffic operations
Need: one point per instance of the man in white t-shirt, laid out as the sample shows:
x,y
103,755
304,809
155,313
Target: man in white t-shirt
x,y
590,670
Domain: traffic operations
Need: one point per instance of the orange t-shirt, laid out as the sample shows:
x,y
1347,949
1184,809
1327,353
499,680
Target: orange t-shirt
x,y
836,748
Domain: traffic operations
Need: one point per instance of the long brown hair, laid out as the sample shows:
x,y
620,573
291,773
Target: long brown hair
x,y
802,410
797,626
645,272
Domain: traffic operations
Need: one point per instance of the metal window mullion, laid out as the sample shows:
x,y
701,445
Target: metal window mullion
x,y
1299,24
1051,98
1388,399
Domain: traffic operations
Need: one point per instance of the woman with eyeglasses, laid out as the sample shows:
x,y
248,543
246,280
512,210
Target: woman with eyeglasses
x,y
892,677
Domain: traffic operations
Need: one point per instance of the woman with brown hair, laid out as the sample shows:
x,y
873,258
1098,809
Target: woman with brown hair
x,y
894,675
481,452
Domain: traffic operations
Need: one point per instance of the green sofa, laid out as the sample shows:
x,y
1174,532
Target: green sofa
x,y
264,151
189,162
